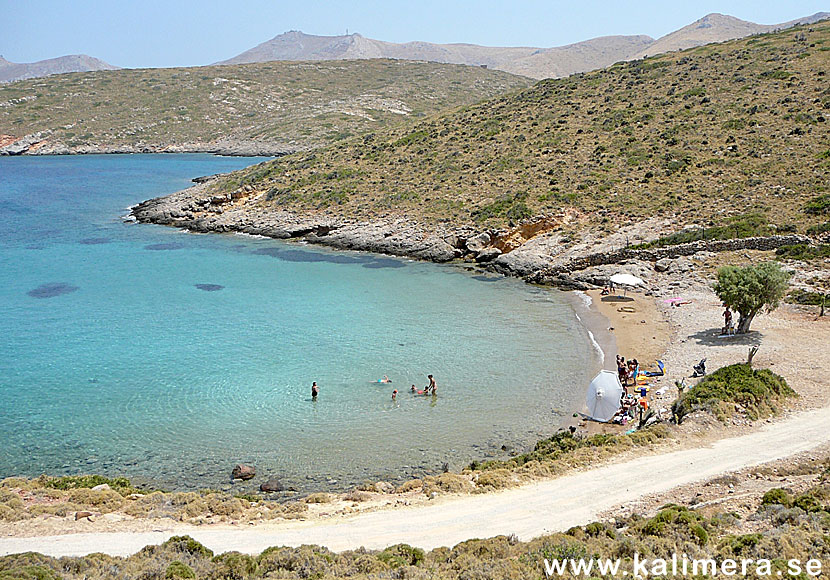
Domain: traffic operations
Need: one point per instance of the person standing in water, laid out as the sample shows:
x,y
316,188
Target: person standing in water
x,y
315,390
430,386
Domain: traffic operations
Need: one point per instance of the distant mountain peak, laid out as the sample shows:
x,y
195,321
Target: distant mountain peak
x,y
534,62
13,71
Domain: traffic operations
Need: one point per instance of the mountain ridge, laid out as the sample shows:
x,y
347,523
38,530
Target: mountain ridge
x,y
534,62
18,71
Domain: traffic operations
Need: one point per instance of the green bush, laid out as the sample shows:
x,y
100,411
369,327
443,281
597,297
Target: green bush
x,y
758,391
819,205
120,484
818,229
401,555
777,496
234,566
804,252
808,298
178,569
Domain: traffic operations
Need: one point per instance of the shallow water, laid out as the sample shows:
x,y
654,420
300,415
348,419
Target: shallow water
x,y
150,352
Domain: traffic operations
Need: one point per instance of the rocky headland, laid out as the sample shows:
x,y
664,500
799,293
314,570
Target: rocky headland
x,y
540,250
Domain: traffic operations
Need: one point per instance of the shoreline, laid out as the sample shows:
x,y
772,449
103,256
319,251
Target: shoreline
x,y
688,331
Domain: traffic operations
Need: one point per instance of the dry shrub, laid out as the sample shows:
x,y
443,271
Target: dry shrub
x,y
447,483
536,469
188,505
318,498
104,500
225,505
19,483
151,505
357,496
61,509
411,485
293,510
493,479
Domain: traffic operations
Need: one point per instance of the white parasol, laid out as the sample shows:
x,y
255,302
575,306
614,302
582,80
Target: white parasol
x,y
627,280
604,394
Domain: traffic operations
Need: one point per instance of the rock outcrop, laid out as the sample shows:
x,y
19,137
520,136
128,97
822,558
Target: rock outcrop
x,y
243,472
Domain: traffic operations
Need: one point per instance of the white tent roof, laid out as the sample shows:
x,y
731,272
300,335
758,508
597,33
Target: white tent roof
x,y
604,393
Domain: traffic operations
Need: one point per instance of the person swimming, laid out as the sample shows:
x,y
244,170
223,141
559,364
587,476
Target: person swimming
x,y
412,389
385,379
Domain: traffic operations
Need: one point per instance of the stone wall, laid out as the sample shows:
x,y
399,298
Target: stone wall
x,y
652,255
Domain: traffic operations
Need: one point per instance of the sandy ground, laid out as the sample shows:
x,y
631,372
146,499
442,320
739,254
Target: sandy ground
x,y
791,342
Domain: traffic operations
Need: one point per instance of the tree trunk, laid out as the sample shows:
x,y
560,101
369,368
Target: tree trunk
x,y
744,322
752,351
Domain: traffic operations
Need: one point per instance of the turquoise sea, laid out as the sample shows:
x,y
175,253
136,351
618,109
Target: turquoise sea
x,y
168,357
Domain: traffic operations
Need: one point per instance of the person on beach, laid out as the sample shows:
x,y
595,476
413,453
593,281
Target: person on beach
x,y
431,386
315,390
622,371
727,320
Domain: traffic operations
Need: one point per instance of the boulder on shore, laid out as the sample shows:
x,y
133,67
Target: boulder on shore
x,y
243,472
273,484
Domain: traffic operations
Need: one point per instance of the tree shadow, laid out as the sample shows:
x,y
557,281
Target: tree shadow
x,y
713,337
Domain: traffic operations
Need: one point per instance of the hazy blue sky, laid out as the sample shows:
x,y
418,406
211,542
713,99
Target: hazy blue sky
x,y
183,33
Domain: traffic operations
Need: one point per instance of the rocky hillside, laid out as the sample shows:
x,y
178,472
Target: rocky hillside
x,y
264,108
533,62
700,137
13,71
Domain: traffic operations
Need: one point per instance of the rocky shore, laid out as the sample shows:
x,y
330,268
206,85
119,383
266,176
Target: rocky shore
x,y
538,250
42,143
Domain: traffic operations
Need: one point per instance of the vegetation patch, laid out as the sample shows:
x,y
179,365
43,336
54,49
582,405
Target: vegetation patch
x,y
804,252
741,226
819,205
784,526
759,392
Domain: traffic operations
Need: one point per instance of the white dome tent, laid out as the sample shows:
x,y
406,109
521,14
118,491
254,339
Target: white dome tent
x,y
604,394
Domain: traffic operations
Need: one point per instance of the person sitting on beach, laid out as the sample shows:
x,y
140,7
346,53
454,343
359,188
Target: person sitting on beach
x,y
605,291
315,390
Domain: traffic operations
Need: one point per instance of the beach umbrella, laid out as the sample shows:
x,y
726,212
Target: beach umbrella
x,y
604,393
627,280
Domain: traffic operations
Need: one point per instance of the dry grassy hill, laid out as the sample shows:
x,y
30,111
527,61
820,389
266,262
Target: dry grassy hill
x,y
272,107
701,135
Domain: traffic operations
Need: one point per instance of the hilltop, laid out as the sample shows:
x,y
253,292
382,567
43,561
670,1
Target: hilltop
x,y
14,71
534,62
698,136
265,108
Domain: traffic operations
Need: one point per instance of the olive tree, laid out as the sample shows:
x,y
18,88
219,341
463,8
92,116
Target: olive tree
x,y
751,289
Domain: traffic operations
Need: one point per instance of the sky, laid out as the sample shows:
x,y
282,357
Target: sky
x,y
153,33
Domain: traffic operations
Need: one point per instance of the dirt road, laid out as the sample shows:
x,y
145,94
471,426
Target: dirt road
x,y
528,511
